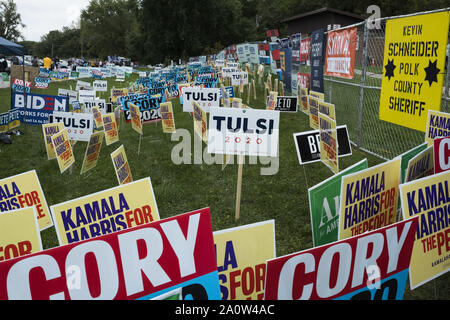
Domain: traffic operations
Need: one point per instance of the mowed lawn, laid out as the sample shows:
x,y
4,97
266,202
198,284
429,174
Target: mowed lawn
x,y
186,187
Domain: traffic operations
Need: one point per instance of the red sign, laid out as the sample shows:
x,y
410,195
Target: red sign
x,y
124,265
305,49
276,54
341,268
441,154
304,79
272,33
340,53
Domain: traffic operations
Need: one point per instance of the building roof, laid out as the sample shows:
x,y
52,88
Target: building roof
x,y
321,10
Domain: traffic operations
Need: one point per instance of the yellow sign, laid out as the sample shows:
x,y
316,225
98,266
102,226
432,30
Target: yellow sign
x,y
328,109
414,65
369,199
50,129
313,112
116,93
318,95
236,103
19,233
92,151
121,166
22,191
271,100
328,142
110,128
438,125
200,122
105,212
422,165
136,122
429,199
168,120
63,150
302,99
97,117
242,253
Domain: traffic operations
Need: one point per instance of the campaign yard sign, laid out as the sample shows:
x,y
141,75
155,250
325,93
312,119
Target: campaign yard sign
x,y
438,125
369,199
63,150
341,52
38,107
307,145
121,166
421,165
79,126
71,94
168,119
200,122
370,266
429,200
104,212
204,97
441,154
406,157
136,120
19,233
324,205
302,99
50,129
414,64
313,111
328,143
139,263
242,253
86,95
110,128
286,104
317,60
100,85
249,132
149,107
22,191
92,151
327,109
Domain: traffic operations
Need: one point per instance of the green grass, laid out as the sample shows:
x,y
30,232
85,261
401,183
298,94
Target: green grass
x,y
183,188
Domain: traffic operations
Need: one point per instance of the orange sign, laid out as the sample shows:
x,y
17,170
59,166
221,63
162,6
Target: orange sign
x,y
340,53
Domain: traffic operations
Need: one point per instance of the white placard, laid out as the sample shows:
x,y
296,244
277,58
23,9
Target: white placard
x,y
100,85
205,97
249,132
79,125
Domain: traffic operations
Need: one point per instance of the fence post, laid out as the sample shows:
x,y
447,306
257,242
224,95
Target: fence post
x,y
363,81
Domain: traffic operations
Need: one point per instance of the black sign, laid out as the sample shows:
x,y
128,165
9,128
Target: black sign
x,y
308,145
286,104
317,58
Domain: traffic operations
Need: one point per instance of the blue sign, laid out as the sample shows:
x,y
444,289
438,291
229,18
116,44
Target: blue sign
x,y
38,106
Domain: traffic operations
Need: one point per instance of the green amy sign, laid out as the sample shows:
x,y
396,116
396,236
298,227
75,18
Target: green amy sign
x,y
324,205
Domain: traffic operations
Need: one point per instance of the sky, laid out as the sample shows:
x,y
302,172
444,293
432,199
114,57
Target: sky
x,y
42,16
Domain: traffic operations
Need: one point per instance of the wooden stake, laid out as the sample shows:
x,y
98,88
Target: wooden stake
x,y
139,148
239,187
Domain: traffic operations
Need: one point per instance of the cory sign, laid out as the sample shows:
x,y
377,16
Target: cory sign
x,y
370,266
137,263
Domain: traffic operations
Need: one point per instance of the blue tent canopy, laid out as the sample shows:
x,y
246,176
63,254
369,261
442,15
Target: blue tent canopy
x,y
10,48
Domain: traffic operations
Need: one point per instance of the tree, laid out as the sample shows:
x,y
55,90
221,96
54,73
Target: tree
x,y
10,21
184,28
107,26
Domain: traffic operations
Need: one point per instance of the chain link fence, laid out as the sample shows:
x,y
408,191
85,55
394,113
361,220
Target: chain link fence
x,y
357,100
